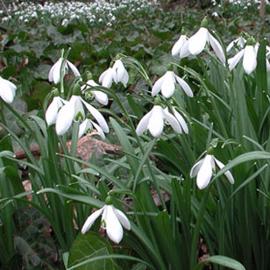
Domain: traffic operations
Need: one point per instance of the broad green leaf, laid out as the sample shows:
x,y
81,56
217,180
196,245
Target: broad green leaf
x,y
89,246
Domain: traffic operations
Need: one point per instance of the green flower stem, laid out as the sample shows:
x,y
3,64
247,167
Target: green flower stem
x,y
196,232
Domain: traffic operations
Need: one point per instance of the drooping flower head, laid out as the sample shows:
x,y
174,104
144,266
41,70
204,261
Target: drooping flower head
x,y
203,170
63,113
120,74
155,120
100,96
106,78
198,41
55,72
117,73
249,56
7,90
167,83
239,43
112,220
180,48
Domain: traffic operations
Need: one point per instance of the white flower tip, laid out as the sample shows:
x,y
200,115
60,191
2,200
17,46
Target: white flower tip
x,y
116,238
7,90
201,186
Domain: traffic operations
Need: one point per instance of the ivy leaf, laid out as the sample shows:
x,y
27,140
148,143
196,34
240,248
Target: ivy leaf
x,y
89,246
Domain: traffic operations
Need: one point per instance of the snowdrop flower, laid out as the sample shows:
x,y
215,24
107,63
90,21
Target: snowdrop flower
x,y
116,74
7,90
204,168
198,41
55,71
154,122
249,55
53,109
88,125
180,48
74,107
100,96
166,84
120,74
112,220
238,42
106,78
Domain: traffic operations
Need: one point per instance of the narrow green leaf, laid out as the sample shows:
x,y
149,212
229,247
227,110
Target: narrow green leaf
x,y
225,261
250,156
74,197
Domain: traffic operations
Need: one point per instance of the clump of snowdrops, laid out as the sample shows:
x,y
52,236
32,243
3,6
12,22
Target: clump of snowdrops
x,y
68,12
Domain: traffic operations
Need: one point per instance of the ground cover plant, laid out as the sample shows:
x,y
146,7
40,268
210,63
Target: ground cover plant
x,y
143,140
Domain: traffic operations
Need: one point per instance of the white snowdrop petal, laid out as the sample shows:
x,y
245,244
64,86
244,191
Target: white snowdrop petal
x,y
74,69
231,44
157,86
64,118
122,218
143,124
172,121
90,221
6,95
184,52
197,42
186,88
176,49
125,78
102,75
114,229
101,97
50,75
107,77
76,102
229,177
98,116
168,85
249,59
239,42
205,172
217,48
99,130
235,60
195,169
56,72
52,110
91,83
227,173
267,65
7,90
156,121
84,127
107,82
181,120
119,70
